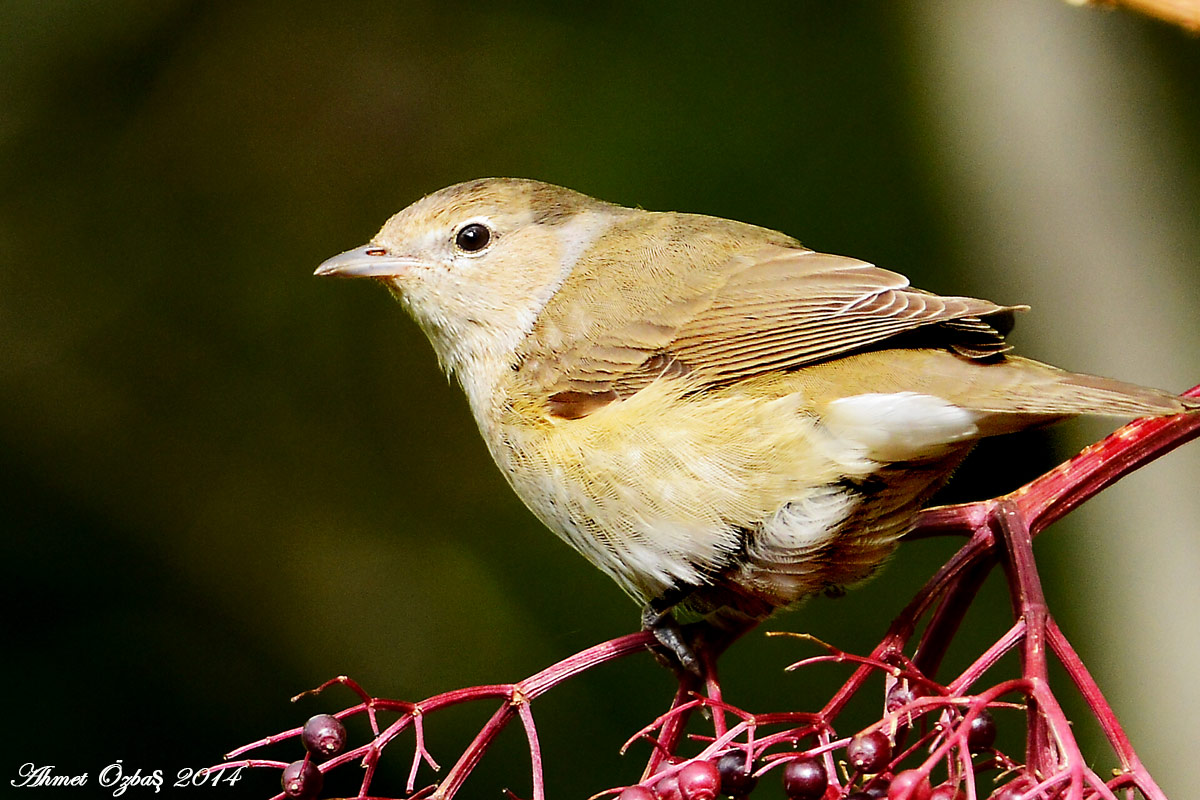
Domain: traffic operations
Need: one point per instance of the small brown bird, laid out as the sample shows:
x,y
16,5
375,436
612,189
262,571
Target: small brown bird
x,y
719,418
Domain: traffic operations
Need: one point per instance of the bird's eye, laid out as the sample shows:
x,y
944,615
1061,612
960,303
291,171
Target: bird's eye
x,y
473,238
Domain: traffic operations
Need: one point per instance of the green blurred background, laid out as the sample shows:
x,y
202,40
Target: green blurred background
x,y
224,481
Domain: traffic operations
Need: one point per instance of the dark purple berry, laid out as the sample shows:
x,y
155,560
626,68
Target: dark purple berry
x,y
302,779
805,779
909,785
699,780
982,733
636,793
736,780
869,752
898,697
668,788
323,736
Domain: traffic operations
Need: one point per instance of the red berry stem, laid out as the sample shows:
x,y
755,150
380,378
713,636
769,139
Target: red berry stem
x,y
674,721
949,614
1135,771
998,531
712,689
535,750
1029,604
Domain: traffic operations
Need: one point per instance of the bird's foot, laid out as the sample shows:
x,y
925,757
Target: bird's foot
x,y
676,647
692,650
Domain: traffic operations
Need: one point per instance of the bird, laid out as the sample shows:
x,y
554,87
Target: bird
x,y
721,419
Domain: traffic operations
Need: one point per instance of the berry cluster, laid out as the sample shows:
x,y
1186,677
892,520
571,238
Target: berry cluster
x,y
323,736
935,738
868,761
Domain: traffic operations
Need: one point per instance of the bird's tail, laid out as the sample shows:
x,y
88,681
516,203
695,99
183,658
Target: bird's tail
x,y
1034,392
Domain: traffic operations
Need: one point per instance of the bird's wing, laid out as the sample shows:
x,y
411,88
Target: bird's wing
x,y
776,309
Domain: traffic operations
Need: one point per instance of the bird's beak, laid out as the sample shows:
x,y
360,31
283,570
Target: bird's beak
x,y
368,261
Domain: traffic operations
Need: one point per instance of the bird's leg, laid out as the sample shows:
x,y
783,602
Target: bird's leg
x,y
657,618
712,636
693,649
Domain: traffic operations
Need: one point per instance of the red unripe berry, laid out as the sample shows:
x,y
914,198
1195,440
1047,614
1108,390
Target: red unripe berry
x,y
869,752
948,791
909,785
699,780
1013,789
636,793
302,779
668,788
805,779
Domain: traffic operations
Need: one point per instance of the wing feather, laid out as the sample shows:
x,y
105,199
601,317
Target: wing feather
x,y
778,308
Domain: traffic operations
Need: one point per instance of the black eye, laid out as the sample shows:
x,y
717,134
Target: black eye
x,y
473,238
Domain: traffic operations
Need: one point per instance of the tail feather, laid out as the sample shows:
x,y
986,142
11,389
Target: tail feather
x,y
1108,396
1038,393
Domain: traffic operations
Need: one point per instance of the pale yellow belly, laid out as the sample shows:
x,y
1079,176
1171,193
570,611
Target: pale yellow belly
x,y
733,490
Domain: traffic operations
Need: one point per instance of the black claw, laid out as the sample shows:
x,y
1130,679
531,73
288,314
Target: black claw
x,y
679,651
692,650
670,634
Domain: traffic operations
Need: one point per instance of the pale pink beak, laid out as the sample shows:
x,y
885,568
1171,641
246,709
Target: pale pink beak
x,y
368,261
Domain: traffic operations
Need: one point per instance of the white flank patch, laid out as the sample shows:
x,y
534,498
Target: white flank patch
x,y
802,525
899,427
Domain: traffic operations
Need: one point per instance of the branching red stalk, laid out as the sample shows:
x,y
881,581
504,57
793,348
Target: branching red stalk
x,y
1000,530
